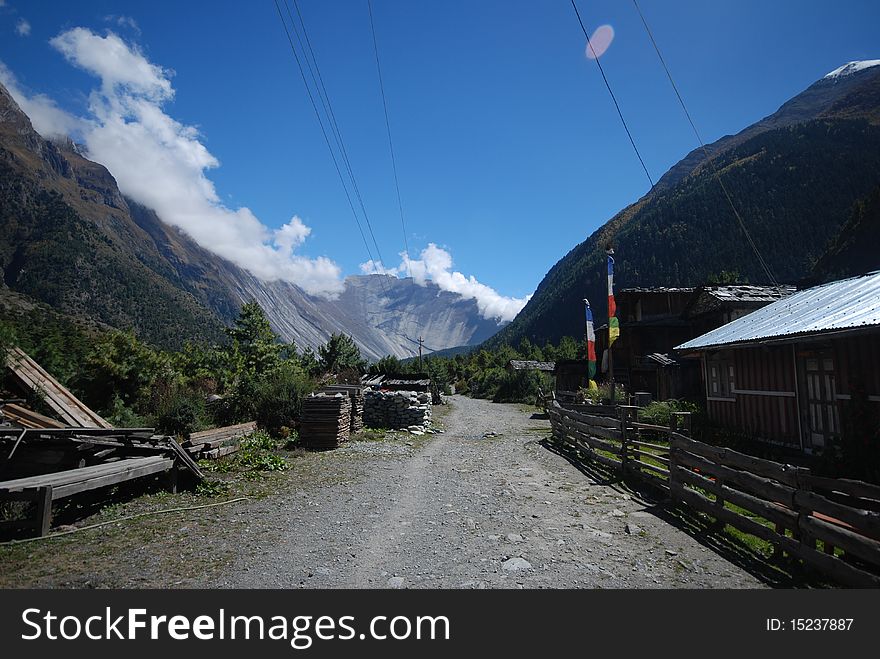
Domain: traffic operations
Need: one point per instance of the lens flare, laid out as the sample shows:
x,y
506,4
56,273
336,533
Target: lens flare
x,y
599,42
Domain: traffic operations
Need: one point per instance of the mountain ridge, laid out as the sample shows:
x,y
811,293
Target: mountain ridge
x,y
819,145
96,254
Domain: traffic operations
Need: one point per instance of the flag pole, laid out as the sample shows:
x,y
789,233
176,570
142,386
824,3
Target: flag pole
x,y
611,312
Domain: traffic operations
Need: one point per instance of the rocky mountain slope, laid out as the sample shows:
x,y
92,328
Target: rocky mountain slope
x,y
70,239
794,176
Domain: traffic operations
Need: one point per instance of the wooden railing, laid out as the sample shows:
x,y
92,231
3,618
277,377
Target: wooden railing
x,y
786,506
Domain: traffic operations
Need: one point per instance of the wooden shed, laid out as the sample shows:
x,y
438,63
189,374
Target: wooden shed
x,y
804,371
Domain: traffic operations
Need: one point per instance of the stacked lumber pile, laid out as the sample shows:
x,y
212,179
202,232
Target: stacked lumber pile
x,y
29,375
43,459
22,417
326,420
356,393
218,442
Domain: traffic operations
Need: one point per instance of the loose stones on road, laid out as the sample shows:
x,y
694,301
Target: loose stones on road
x,y
516,564
396,583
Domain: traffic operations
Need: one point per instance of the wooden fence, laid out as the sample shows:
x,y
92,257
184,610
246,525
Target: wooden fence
x,y
831,524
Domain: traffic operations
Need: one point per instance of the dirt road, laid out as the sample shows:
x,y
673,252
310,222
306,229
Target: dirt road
x,y
465,510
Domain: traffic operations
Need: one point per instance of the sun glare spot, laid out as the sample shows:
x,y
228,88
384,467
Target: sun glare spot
x,y
599,42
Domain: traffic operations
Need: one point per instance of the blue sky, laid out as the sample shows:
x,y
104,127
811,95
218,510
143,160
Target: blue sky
x,y
508,147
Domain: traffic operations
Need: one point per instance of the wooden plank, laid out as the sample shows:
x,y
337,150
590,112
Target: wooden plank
x,y
185,458
125,472
636,465
766,509
650,426
659,447
70,475
44,509
653,456
863,521
589,419
215,436
59,398
223,451
595,442
777,471
844,485
595,431
852,543
28,418
759,485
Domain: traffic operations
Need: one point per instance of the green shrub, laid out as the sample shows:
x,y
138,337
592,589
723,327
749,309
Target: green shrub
x,y
273,399
602,393
257,453
122,416
485,384
178,410
522,387
660,413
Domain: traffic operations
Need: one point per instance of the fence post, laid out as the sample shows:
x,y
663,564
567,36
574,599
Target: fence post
x,y
681,422
801,533
627,413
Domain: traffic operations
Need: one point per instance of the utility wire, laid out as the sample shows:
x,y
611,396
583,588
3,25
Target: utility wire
x,y
611,93
323,129
322,91
709,158
390,141
122,519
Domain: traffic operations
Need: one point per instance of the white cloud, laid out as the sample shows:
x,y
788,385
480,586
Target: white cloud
x,y
123,21
122,68
23,28
435,264
372,267
47,118
162,164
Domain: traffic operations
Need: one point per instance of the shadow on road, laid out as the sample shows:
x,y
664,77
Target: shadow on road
x,y
777,571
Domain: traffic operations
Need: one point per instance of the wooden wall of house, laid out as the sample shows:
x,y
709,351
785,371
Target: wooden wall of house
x,y
857,363
763,403
857,366
766,397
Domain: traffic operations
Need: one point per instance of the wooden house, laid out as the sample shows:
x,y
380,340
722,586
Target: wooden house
x,y
803,371
655,320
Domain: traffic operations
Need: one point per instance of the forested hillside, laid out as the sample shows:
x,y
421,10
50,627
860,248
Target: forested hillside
x,y
794,177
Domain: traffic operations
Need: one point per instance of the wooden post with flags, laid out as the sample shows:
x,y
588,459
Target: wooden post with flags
x,y
590,335
613,324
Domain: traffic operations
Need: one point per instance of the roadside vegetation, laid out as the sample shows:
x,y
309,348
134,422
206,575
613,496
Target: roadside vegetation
x,y
250,375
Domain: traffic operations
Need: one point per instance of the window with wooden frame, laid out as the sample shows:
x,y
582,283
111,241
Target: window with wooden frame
x,y
720,377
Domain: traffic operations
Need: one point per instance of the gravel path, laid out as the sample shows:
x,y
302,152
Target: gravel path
x,y
460,510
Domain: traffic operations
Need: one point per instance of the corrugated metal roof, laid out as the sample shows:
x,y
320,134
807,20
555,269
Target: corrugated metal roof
x,y
661,358
531,365
746,293
654,289
840,305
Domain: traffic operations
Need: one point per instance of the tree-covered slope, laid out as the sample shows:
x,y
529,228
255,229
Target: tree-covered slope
x,y
794,178
856,249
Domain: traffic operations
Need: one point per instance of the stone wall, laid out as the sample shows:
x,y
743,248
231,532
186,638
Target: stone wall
x,y
397,410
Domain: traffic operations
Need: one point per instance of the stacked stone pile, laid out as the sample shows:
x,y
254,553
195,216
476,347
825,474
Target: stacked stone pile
x,y
398,410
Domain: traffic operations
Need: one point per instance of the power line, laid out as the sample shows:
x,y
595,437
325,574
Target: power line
x,y
390,141
332,120
709,159
611,93
323,129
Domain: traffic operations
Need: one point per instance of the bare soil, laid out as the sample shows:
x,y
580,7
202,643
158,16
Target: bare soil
x,y
462,509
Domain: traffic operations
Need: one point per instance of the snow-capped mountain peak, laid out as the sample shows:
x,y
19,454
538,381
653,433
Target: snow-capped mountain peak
x,y
852,67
